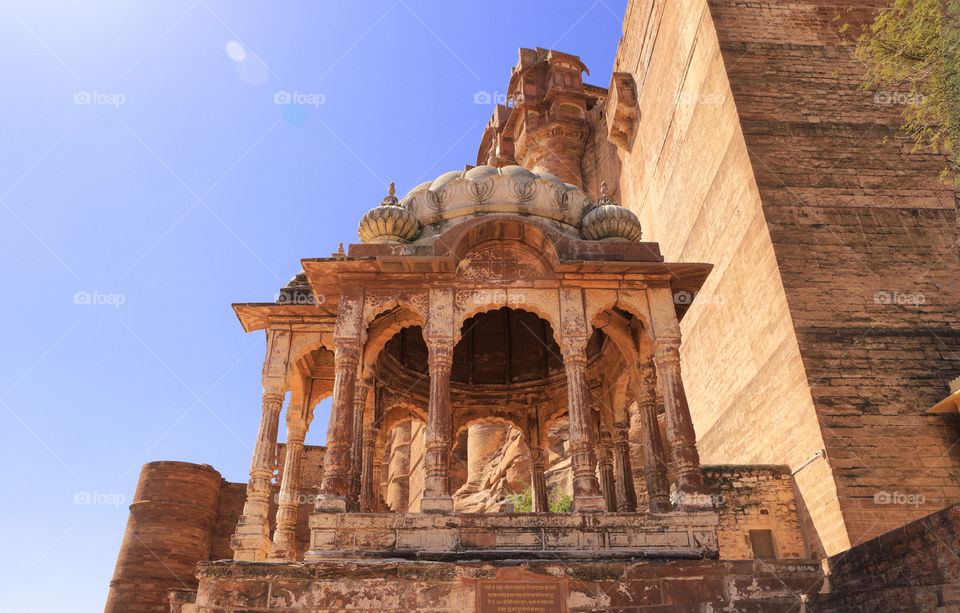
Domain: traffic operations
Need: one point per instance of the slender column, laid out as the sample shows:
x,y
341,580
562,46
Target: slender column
x,y
680,433
586,488
367,469
252,537
436,487
356,443
334,487
644,384
623,471
283,547
538,481
378,502
605,463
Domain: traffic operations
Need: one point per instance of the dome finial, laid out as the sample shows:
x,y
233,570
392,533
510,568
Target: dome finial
x,y
605,195
390,199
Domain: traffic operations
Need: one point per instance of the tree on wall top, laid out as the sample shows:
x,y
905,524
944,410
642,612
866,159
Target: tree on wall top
x,y
912,54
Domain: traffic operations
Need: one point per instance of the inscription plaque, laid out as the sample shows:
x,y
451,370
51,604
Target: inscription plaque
x,y
534,595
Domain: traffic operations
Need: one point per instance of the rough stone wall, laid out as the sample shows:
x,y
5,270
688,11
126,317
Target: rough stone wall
x,y
755,498
777,174
874,303
913,568
597,587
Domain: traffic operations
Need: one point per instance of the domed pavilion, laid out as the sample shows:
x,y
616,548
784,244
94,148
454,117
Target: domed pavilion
x,y
497,293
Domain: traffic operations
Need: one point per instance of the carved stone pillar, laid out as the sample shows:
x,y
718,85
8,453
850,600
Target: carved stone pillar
x,y
252,537
623,471
378,505
586,488
367,491
334,487
538,481
283,547
356,443
605,464
436,488
398,469
680,433
644,385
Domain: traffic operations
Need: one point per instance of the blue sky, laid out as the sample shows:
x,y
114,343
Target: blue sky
x,y
148,180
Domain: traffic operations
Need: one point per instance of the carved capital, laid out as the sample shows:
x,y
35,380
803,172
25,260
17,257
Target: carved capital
x,y
273,398
667,351
346,353
441,354
574,351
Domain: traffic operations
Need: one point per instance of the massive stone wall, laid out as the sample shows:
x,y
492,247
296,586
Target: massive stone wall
x,y
757,152
865,237
688,177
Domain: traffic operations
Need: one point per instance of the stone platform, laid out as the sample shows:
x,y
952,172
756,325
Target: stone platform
x,y
553,536
388,586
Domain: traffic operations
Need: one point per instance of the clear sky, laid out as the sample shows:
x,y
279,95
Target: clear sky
x,y
148,179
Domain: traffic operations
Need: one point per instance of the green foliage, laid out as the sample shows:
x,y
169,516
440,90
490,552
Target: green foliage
x,y
912,49
557,501
523,502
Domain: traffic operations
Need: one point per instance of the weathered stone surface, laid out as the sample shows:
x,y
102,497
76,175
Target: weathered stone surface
x,y
452,586
573,535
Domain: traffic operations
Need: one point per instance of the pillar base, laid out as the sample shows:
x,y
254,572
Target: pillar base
x,y
281,552
436,505
251,541
589,503
330,504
